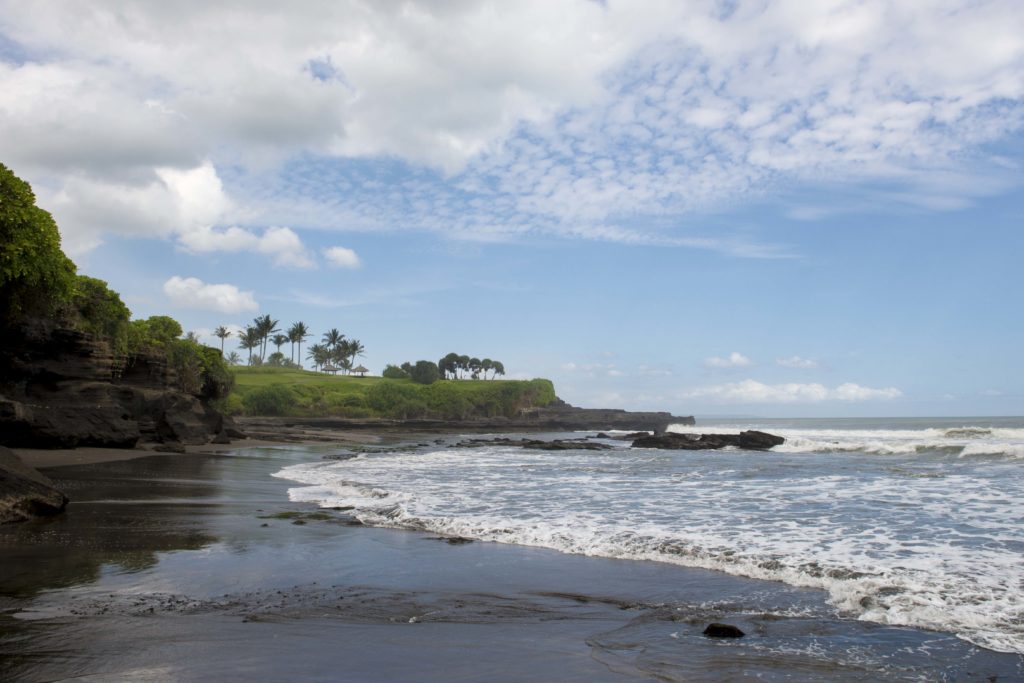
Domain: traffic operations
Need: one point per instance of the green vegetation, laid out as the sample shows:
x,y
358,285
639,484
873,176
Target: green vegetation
x,y
455,366
36,278
283,391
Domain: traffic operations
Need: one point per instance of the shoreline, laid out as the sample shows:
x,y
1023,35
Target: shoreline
x,y
165,562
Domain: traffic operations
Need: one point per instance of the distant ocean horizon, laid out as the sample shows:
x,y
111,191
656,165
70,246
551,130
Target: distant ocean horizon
x,y
903,521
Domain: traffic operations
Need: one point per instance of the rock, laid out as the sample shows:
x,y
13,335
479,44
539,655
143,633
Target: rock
x,y
62,388
755,440
25,492
723,631
221,438
750,440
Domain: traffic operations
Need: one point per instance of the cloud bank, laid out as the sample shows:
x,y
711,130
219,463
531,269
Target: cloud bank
x,y
753,392
492,121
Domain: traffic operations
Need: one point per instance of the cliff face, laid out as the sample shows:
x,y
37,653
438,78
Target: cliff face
x,y
61,388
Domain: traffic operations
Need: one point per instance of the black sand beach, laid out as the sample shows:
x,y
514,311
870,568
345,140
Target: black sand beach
x,y
197,567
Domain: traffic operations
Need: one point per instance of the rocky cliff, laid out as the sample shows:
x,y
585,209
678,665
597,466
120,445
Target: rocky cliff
x,y
62,388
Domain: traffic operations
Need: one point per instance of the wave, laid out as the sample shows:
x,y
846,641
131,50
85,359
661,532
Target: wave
x,y
966,441
970,591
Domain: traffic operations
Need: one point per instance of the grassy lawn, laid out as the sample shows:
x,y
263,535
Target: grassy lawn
x,y
284,391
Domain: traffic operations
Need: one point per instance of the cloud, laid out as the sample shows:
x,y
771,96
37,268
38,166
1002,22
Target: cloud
x,y
797,362
195,294
340,257
585,120
734,360
281,244
751,391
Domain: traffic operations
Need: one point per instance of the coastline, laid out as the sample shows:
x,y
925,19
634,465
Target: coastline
x,y
196,565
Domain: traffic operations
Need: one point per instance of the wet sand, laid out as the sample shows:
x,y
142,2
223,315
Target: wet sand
x,y
197,567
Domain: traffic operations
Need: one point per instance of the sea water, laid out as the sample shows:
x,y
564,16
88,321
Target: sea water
x,y
915,522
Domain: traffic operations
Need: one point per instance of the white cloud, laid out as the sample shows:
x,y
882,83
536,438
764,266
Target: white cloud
x,y
195,294
570,119
751,391
733,360
340,257
797,362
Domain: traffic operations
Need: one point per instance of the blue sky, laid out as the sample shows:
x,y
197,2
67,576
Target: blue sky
x,y
759,208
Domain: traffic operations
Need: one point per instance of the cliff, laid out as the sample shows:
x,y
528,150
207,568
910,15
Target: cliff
x,y
63,388
557,416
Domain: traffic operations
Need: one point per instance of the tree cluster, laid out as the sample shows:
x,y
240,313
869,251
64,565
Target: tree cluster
x,y
456,366
332,354
423,372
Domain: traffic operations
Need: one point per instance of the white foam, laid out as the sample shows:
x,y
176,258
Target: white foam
x,y
966,440
934,545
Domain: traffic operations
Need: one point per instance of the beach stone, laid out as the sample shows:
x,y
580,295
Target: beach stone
x,y
717,630
750,440
26,493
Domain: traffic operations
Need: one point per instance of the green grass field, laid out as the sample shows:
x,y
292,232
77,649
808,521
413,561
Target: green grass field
x,y
284,391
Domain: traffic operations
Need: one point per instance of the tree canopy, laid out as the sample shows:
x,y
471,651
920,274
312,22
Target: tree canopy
x,y
35,275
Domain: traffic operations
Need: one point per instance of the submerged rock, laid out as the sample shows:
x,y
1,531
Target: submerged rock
x,y
537,444
25,493
723,631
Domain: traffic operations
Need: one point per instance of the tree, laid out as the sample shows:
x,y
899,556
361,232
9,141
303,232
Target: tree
x,y
279,340
395,372
486,365
425,372
499,369
297,333
249,340
474,366
463,364
264,327
233,358
332,338
222,333
319,354
35,275
448,366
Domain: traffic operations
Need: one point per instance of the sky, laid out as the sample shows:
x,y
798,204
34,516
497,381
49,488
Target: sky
x,y
771,208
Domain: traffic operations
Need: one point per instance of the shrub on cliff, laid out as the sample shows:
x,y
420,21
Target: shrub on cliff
x,y
100,311
35,275
394,372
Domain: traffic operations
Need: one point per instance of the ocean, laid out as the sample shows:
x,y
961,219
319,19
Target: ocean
x,y
908,522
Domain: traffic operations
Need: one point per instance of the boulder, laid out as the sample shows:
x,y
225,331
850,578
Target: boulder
x,y
723,631
759,441
25,493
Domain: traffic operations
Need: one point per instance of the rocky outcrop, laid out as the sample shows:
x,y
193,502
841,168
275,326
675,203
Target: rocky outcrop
x,y
749,440
25,493
556,417
62,388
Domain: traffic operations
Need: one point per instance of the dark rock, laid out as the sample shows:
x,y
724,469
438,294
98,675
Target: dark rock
x,y
755,440
169,447
750,440
25,493
723,631
221,438
61,388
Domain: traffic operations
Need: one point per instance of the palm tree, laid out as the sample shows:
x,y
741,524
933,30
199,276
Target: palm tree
x,y
332,338
249,340
296,334
233,358
264,328
222,333
279,340
318,354
498,368
355,348
474,367
485,365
